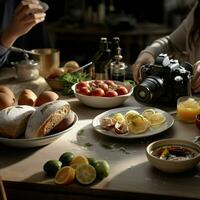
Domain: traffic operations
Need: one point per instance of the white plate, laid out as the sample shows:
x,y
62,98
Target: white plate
x,y
151,131
36,142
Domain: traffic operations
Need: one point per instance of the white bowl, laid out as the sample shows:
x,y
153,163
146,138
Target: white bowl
x,y
173,166
104,102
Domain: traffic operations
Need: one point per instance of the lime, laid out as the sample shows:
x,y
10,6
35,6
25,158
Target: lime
x,y
92,161
102,168
52,166
66,158
65,175
85,174
78,160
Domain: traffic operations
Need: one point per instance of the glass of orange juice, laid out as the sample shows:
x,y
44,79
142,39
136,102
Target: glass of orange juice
x,y
188,108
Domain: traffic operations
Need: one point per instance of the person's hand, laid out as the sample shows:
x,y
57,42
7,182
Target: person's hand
x,y
143,58
26,15
196,77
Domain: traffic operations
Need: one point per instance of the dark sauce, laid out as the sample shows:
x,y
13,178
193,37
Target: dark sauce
x,y
174,152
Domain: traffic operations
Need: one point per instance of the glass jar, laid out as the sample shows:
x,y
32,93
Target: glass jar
x,y
27,70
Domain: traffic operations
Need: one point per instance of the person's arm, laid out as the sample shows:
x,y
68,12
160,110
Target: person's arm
x,y
173,44
26,15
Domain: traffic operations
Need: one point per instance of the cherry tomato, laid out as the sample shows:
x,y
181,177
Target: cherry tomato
x,y
122,90
103,86
97,82
109,82
97,92
111,93
82,84
84,91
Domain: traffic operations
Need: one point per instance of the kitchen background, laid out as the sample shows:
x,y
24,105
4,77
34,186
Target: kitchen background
x,y
75,27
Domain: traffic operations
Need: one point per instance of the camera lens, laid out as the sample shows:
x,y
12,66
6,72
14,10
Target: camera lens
x,y
151,88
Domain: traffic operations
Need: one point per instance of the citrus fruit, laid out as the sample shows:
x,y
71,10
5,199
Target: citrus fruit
x,y
66,158
85,174
118,117
102,168
92,161
138,125
157,119
65,175
130,115
148,113
78,160
52,166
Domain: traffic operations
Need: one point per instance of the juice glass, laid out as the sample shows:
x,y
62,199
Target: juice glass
x,y
188,108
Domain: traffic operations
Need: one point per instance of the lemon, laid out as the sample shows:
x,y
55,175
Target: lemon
x,y
65,175
157,119
118,117
138,125
102,168
85,174
131,115
148,113
66,158
52,166
78,160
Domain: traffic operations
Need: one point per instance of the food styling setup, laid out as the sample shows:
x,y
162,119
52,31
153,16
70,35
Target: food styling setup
x,y
87,131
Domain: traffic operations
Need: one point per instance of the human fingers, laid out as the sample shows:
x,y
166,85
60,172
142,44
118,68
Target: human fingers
x,y
35,18
136,72
196,76
28,9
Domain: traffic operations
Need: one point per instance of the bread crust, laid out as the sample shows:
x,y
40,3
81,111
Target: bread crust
x,y
46,117
13,120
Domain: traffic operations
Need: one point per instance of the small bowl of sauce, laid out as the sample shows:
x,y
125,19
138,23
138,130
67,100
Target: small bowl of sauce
x,y
173,155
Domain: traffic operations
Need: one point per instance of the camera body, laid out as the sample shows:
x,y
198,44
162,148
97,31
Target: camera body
x,y
164,82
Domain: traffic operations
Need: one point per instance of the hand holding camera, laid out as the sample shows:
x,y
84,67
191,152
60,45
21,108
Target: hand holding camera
x,y
164,81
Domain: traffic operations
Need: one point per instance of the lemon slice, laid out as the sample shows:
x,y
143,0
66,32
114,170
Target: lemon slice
x,y
78,160
157,119
131,115
148,113
118,117
138,125
85,174
65,175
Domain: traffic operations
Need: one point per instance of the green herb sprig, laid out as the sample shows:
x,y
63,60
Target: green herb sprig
x,y
69,79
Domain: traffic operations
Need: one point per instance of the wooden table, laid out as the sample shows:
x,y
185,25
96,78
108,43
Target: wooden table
x,y
131,175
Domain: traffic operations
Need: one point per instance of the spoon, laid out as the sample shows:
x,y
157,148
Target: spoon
x,y
84,66
16,49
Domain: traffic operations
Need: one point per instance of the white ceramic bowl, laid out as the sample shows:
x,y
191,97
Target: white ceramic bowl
x,y
104,102
173,166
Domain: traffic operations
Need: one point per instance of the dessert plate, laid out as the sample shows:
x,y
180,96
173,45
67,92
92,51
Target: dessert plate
x,y
151,131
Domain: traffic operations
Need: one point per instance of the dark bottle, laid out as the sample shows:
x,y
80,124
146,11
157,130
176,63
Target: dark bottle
x,y
96,57
118,68
101,63
114,51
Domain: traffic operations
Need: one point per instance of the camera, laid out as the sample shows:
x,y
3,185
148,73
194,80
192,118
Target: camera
x,y
164,81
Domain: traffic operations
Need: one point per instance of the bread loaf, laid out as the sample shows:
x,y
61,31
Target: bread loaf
x,y
46,117
13,120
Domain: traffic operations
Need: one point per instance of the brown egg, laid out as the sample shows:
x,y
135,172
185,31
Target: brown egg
x,y
27,97
70,66
45,97
65,123
7,90
56,73
6,100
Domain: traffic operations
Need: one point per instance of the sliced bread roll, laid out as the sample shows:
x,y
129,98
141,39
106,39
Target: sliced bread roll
x,y
13,120
46,117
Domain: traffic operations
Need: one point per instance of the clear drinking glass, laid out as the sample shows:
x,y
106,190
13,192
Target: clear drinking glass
x,y
188,108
